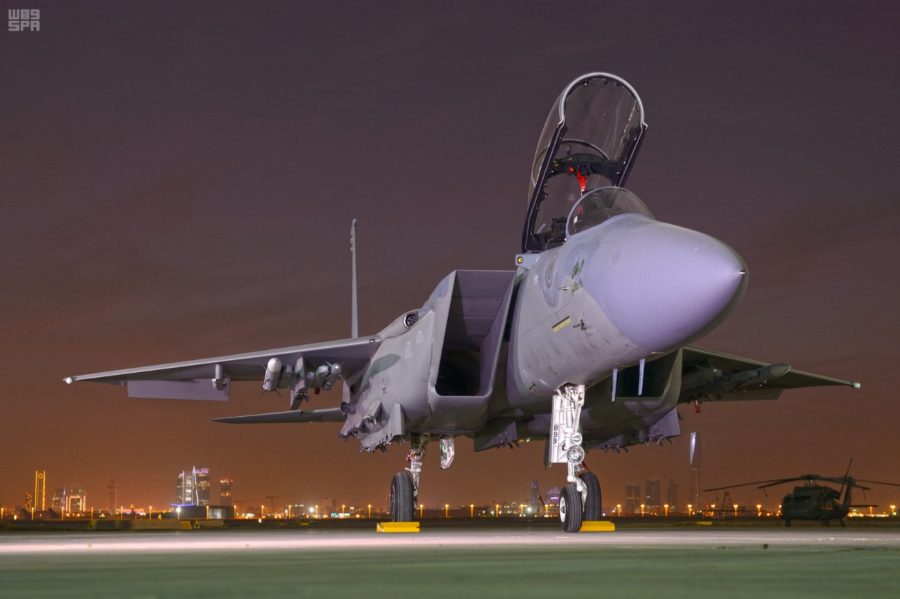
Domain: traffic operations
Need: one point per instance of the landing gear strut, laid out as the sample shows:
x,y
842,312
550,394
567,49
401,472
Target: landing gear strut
x,y
405,484
580,497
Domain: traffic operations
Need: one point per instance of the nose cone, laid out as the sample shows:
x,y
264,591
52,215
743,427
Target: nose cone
x,y
663,286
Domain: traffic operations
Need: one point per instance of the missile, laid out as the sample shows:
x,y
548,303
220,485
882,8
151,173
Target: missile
x,y
709,381
755,377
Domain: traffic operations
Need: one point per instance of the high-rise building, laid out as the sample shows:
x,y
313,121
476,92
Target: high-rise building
x,y
695,471
40,490
672,494
632,498
112,495
184,495
652,494
193,487
76,500
201,485
225,489
58,501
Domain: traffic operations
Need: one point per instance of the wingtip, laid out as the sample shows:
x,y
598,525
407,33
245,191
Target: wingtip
x,y
69,380
856,385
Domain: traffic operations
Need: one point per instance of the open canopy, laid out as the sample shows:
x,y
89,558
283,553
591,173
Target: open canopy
x,y
590,140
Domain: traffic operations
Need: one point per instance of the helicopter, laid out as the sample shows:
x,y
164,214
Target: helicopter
x,y
812,501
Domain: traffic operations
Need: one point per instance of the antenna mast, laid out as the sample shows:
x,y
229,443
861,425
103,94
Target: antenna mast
x,y
354,314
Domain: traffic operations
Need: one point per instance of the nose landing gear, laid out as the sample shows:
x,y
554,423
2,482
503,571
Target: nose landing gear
x,y
580,497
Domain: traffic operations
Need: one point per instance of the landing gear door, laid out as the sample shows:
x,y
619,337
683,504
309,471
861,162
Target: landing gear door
x,y
590,140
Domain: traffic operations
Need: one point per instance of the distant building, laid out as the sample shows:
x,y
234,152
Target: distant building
x,y
672,495
193,487
225,487
76,500
184,493
652,494
534,502
112,496
40,490
58,501
201,485
632,498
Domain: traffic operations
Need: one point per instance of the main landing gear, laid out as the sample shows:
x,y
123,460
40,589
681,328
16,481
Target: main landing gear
x,y
580,497
405,484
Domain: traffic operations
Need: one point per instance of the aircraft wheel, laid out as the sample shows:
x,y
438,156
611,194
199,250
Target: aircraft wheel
x,y
570,508
402,497
592,505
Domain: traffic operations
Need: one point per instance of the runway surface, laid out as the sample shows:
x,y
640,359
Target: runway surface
x,y
197,541
694,562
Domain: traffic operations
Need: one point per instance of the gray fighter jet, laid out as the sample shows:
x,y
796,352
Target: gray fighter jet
x,y
584,344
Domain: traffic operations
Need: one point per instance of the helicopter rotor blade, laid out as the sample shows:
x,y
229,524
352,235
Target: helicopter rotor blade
x,y
877,482
737,485
781,481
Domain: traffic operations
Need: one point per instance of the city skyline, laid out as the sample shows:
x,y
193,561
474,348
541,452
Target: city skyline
x,y
171,191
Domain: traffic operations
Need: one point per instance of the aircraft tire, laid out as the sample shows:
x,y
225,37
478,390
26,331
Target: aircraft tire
x,y
570,512
402,497
592,504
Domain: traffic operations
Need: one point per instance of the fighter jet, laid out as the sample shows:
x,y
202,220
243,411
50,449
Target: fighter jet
x,y
585,344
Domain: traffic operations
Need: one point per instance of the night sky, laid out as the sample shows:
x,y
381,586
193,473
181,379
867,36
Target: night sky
x,y
177,181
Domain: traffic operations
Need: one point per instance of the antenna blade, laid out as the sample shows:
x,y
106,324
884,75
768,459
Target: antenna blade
x,y
354,308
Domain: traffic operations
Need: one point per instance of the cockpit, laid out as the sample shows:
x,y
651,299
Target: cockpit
x,y
588,145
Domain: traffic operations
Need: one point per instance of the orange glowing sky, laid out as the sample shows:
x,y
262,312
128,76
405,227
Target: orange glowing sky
x,y
180,183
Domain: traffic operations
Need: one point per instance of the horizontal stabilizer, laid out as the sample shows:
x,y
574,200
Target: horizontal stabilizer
x,y
324,415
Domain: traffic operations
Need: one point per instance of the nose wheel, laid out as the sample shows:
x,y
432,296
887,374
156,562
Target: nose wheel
x,y
570,508
591,510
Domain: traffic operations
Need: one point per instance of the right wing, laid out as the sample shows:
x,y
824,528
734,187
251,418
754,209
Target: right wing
x,y
208,378
719,376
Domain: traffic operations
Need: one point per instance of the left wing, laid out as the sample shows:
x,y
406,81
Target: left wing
x,y
301,367
323,415
719,376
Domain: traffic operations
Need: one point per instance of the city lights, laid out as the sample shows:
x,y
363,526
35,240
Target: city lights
x,y
70,502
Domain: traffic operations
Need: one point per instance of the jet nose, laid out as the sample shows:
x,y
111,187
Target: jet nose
x,y
663,286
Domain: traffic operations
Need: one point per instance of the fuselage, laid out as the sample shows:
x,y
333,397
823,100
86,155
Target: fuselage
x,y
629,289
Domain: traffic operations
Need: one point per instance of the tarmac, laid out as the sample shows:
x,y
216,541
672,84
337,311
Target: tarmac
x,y
694,562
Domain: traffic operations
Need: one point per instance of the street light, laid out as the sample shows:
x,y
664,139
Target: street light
x,y
471,510
666,508
370,510
690,509
758,510
642,510
446,510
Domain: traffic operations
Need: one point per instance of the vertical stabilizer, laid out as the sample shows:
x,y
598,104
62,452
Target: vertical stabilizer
x,y
354,314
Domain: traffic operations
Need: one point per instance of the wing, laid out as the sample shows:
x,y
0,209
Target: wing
x,y
719,376
324,415
208,378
